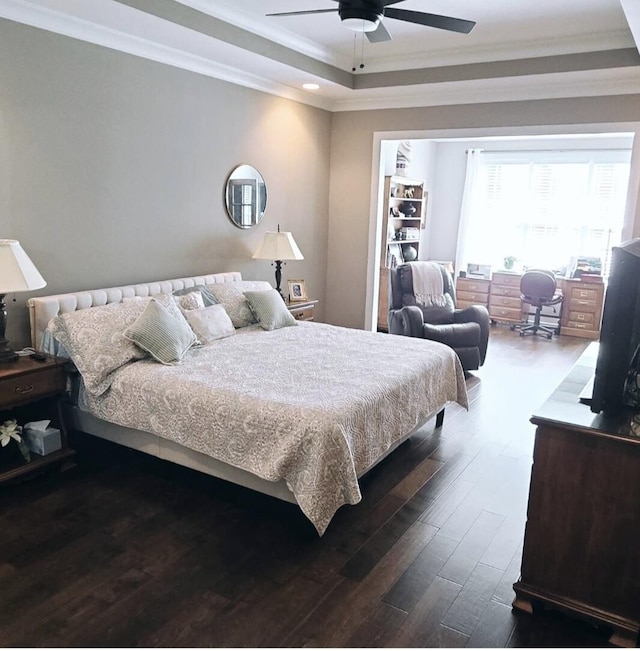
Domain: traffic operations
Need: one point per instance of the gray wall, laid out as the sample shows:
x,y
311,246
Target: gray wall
x,y
352,140
112,169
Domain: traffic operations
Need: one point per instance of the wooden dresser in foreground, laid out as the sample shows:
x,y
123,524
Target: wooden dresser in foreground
x,y
581,553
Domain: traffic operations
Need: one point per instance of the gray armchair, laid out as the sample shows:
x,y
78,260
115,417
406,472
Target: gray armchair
x,y
465,330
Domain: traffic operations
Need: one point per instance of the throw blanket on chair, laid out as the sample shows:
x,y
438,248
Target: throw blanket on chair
x,y
428,286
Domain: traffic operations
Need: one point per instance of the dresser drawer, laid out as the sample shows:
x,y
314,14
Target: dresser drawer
x,y
31,386
472,297
303,313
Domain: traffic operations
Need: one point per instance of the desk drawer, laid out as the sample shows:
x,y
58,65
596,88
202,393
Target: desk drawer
x,y
510,280
504,313
31,386
583,304
472,297
581,325
474,286
582,317
585,294
506,301
505,290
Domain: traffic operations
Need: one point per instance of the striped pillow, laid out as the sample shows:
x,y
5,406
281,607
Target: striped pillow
x,y
270,310
162,334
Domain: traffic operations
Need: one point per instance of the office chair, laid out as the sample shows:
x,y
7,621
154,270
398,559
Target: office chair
x,y
538,289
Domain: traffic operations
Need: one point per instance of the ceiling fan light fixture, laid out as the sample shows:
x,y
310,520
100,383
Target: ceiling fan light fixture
x,y
360,20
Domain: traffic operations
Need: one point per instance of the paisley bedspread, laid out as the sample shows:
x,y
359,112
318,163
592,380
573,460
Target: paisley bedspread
x,y
315,405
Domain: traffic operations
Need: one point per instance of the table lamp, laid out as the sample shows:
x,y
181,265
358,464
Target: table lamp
x,y
17,274
278,246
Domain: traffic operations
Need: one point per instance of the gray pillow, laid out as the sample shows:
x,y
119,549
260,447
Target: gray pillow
x,y
162,334
270,310
207,297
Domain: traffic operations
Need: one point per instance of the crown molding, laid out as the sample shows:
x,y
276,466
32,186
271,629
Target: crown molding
x,y
619,81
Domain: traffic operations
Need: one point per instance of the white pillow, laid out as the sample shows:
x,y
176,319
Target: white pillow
x,y
235,303
190,301
210,323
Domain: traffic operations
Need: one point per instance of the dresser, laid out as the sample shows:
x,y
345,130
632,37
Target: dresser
x,y
581,554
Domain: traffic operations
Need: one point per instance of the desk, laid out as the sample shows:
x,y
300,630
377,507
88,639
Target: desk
x,y
581,546
581,309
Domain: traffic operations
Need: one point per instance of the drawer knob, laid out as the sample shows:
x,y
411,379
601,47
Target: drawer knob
x,y
23,390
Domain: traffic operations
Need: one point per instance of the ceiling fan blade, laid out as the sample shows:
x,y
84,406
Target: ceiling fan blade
x,y
302,13
379,34
431,20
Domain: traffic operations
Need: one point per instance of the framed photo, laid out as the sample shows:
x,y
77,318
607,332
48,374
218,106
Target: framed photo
x,y
297,291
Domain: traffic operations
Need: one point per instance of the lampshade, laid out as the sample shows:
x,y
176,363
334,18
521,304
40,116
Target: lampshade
x,y
278,245
17,272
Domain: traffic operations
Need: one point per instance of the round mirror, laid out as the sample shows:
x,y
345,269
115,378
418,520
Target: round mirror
x,y
245,196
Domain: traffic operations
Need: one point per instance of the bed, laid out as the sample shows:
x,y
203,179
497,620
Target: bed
x,y
299,413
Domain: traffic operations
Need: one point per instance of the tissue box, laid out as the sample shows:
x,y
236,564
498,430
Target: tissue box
x,y
42,442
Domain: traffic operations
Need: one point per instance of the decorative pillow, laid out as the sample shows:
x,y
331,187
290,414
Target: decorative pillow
x,y
94,338
190,301
270,310
235,303
207,297
160,333
210,323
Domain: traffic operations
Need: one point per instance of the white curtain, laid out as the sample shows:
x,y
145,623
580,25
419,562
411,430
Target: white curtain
x,y
474,157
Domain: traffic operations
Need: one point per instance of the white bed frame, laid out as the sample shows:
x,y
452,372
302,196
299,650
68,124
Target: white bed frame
x,y
43,308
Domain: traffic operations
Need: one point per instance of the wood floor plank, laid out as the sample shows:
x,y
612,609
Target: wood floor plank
x,y
494,628
466,610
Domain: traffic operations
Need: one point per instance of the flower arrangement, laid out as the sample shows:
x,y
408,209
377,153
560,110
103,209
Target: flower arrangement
x,y
10,431
509,261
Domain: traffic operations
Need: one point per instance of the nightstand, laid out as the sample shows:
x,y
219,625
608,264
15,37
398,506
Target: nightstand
x,y
302,310
33,390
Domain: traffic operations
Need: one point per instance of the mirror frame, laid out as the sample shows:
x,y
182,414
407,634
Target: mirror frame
x,y
245,196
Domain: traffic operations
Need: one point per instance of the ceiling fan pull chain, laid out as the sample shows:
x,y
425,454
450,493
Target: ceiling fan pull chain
x,y
355,36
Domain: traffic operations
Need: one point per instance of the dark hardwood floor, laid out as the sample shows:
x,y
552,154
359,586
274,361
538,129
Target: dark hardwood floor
x,y
126,550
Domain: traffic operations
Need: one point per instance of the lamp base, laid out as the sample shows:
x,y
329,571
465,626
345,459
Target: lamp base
x,y
6,354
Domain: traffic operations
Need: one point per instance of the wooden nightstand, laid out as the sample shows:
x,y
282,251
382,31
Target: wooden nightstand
x,y
302,310
32,390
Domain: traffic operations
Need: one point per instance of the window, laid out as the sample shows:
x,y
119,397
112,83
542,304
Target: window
x,y
546,207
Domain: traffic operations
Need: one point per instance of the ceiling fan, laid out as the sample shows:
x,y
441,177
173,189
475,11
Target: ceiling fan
x,y
366,16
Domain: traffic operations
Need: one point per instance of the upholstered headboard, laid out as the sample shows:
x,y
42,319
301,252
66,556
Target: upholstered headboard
x,y
43,308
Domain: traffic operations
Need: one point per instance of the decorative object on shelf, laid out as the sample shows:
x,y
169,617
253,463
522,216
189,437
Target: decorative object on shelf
x,y
278,246
409,253
509,261
297,291
17,274
403,158
408,209
10,435
245,196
